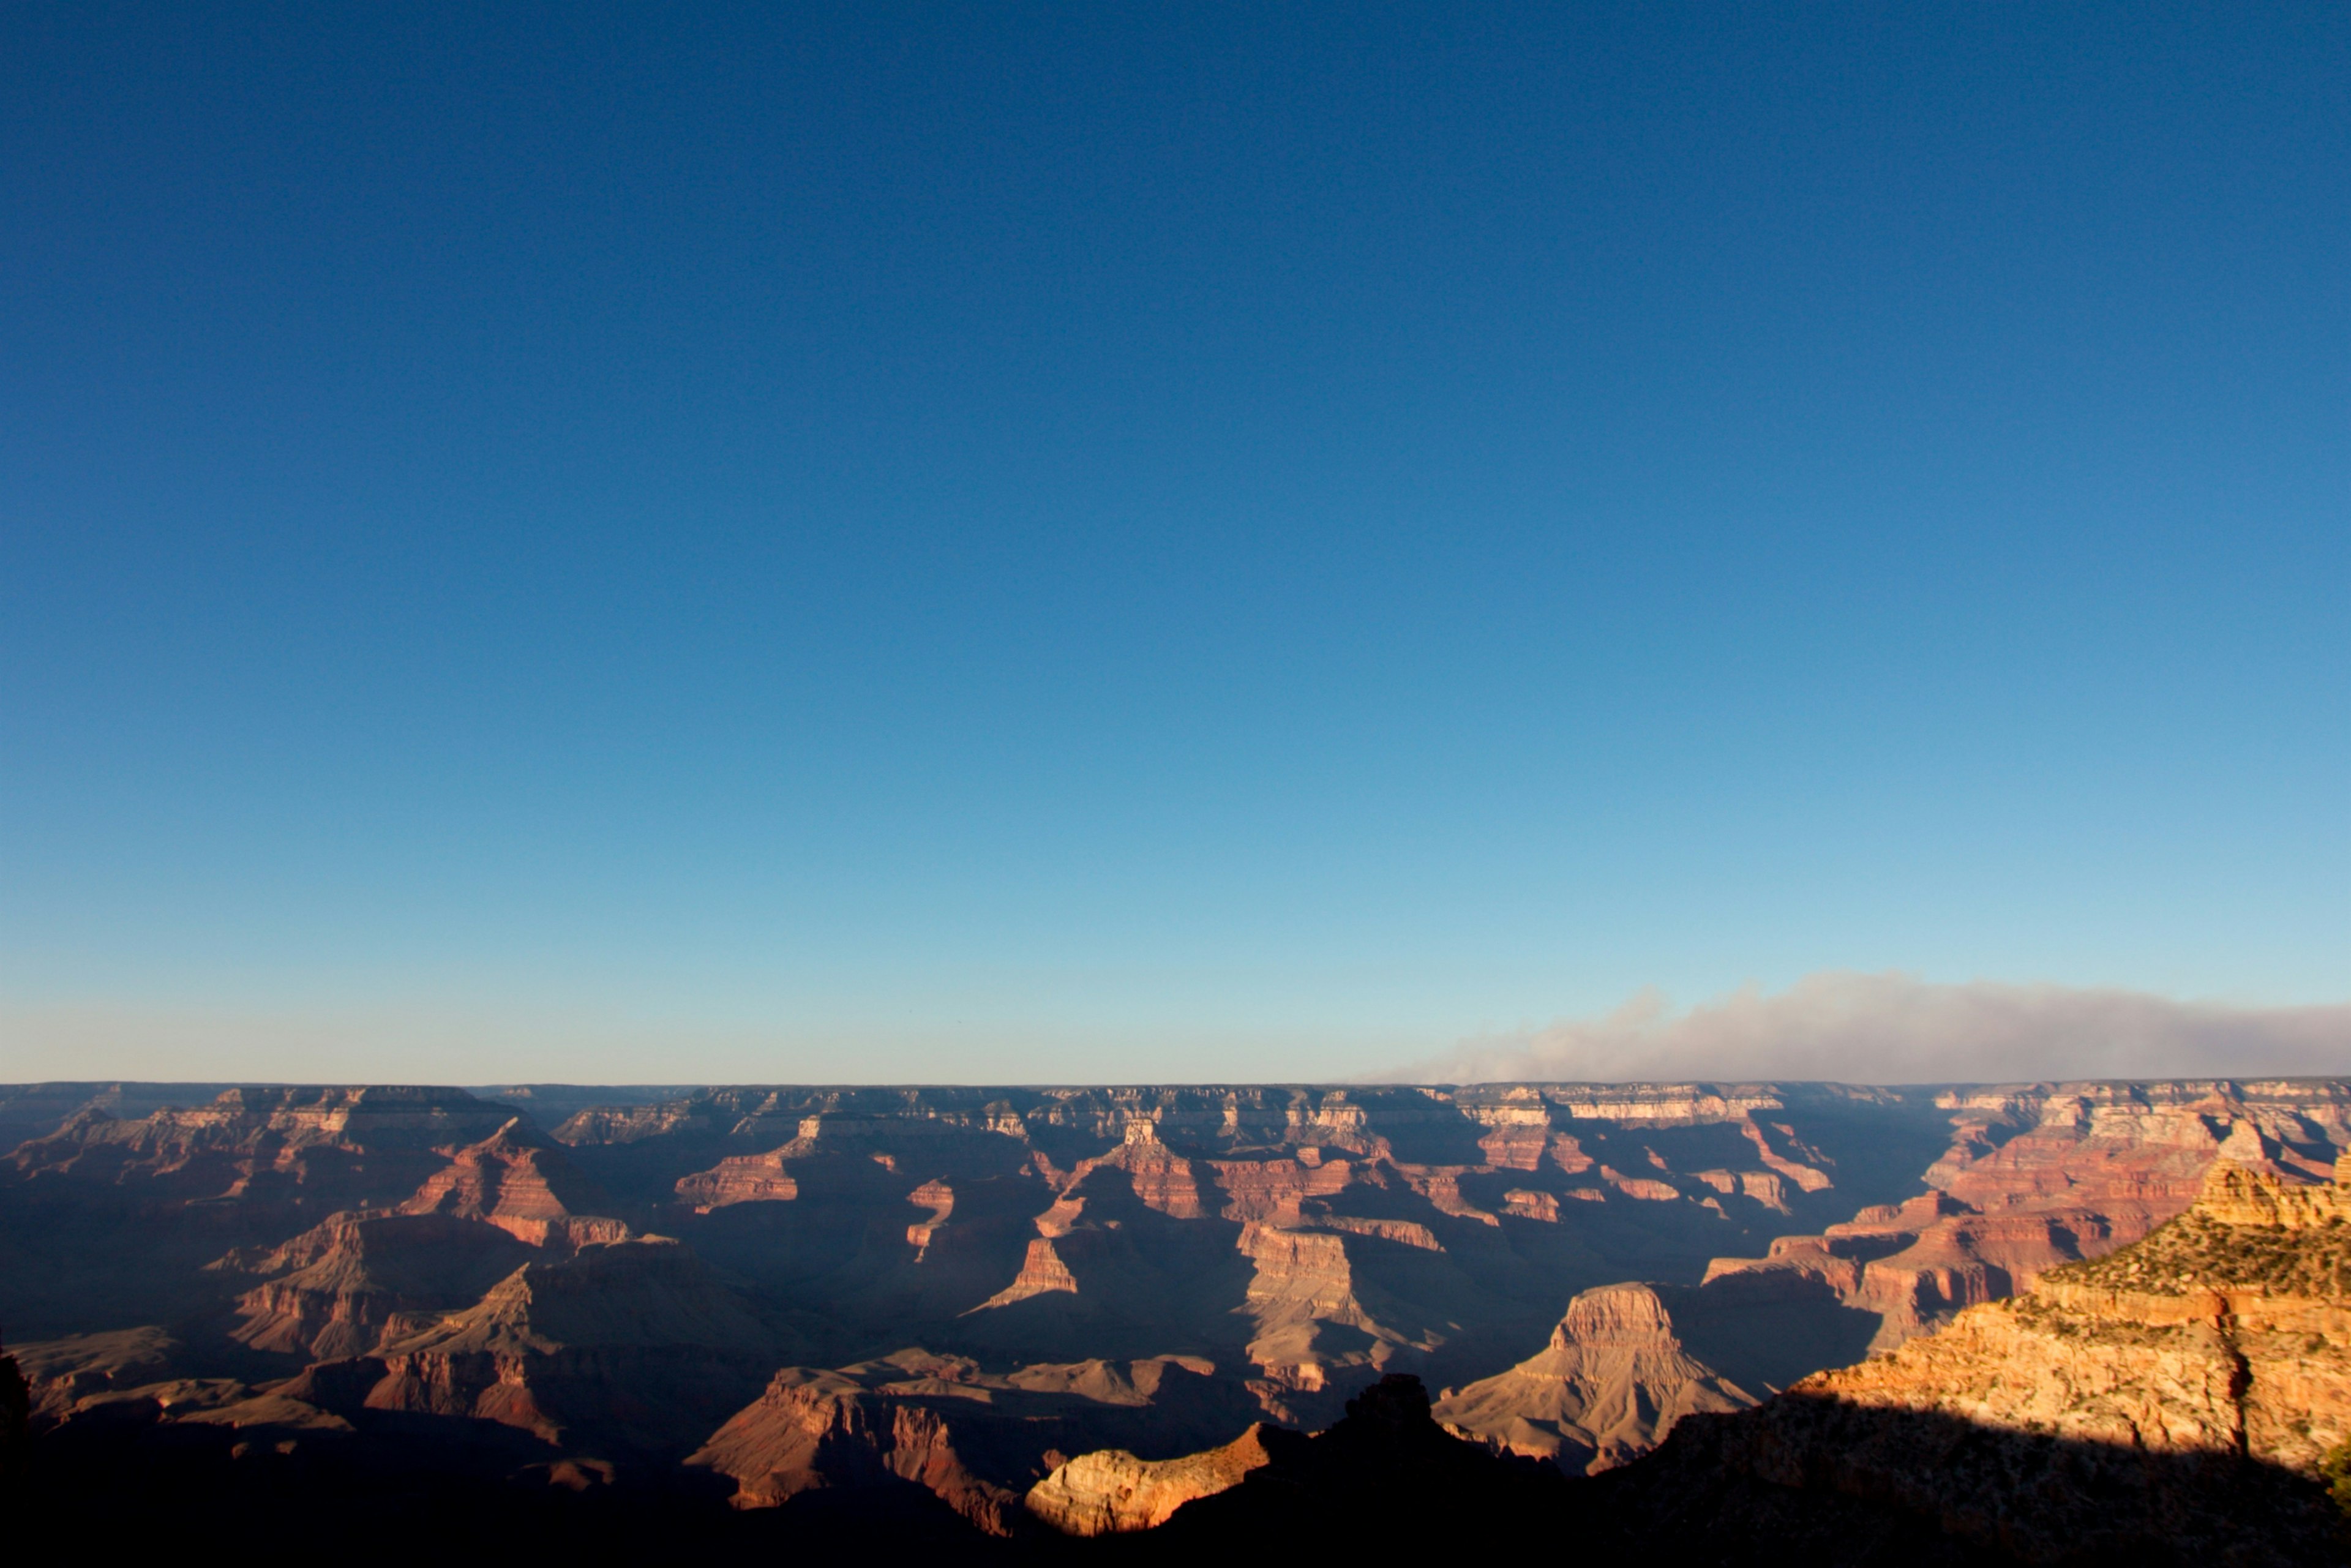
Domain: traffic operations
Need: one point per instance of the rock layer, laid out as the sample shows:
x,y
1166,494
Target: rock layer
x,y
2175,1397
1608,1388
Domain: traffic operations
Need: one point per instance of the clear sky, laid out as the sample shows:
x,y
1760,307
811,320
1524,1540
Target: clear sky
x,y
990,541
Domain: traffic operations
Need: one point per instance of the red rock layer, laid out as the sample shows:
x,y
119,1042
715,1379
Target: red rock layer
x,y
348,1279
2037,1178
321,1148
739,1179
637,1335
515,1180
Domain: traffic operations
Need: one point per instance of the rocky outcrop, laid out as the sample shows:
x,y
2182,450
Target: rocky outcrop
x,y
1610,1386
824,1430
2227,1330
1109,1491
637,1340
2039,1177
62,1371
1275,1192
324,1148
738,1178
1042,1272
979,1442
524,1185
346,1281
2176,1396
1383,1483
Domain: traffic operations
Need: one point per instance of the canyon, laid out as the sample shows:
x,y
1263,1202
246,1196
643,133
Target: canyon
x,y
1012,1318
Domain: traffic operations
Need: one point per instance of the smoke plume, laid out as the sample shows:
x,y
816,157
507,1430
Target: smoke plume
x,y
1897,1029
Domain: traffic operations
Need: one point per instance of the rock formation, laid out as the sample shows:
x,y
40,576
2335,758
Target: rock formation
x,y
2037,1178
2227,1330
463,1283
1384,1482
329,1149
978,1441
638,1339
347,1282
2175,1397
1608,1388
1109,1491
64,1371
519,1182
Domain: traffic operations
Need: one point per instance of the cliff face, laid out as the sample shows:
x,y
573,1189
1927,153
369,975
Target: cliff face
x,y
2177,1396
317,1148
1610,1386
346,1281
637,1340
2037,1178
2226,1331
978,1441
1110,1492
448,1268
517,1181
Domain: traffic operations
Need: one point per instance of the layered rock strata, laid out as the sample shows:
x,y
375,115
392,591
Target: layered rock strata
x,y
349,1280
638,1339
517,1181
1610,1386
2038,1178
2177,1396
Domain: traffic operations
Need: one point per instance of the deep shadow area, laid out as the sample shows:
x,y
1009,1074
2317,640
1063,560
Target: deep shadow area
x,y
1798,1482
1764,1330
1806,1479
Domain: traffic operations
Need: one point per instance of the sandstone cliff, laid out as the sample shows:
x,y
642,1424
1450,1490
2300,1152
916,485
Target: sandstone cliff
x,y
2175,1397
1109,1491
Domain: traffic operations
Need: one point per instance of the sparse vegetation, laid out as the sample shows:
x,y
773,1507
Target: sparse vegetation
x,y
2335,1470
2196,1252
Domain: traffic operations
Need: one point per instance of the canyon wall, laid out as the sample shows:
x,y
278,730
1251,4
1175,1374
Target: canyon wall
x,y
969,1292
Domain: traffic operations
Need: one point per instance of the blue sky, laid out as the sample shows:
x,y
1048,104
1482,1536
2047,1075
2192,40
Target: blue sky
x,y
1043,542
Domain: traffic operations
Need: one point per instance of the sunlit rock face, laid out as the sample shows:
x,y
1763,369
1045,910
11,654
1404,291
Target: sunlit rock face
x,y
1110,1492
518,1181
2174,1399
1103,1282
980,1442
1608,1388
2041,1177
2228,1329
